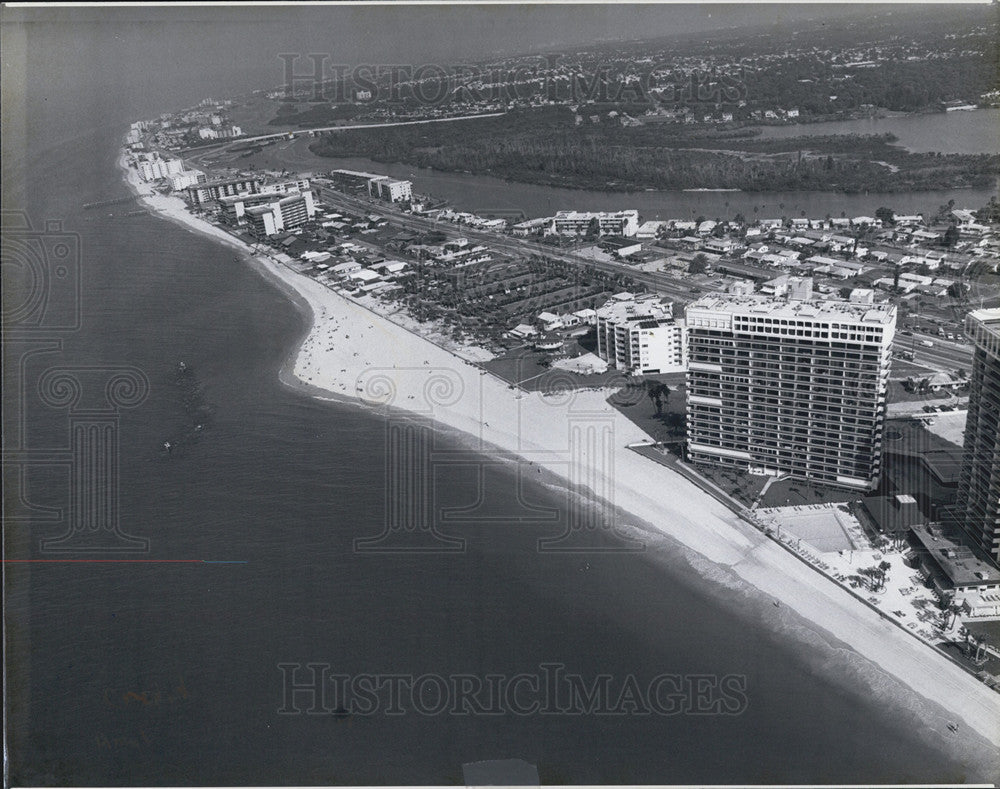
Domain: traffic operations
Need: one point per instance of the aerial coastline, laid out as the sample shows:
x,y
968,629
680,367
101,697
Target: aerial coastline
x,y
347,344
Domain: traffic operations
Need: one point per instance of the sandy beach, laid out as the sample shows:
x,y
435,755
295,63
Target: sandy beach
x,y
353,353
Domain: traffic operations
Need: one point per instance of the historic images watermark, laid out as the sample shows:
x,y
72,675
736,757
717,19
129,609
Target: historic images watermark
x,y
317,77
317,689
413,452
42,275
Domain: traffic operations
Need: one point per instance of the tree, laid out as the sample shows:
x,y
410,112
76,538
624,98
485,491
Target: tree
x,y
658,393
698,264
981,653
883,571
886,215
951,614
951,236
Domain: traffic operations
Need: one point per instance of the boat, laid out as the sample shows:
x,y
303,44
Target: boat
x,y
182,368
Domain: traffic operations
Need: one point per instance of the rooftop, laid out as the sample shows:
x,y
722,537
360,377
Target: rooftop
x,y
758,304
238,179
893,514
955,559
595,214
644,309
983,328
988,318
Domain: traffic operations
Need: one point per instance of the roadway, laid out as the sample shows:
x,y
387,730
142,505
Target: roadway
x,y
944,355
657,281
352,127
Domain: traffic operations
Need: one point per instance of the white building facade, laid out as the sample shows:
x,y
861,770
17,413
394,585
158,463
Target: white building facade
x,y
640,336
578,223
781,386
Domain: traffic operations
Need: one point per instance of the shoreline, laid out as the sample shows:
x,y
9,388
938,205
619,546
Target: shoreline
x,y
351,354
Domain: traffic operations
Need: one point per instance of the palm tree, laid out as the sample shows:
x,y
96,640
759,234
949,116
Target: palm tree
x,y
951,611
883,569
981,653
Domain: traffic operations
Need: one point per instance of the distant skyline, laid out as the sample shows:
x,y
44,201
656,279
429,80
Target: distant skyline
x,y
229,49
145,60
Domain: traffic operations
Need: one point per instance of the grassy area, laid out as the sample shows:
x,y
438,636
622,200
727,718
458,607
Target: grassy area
x,y
668,424
528,368
796,492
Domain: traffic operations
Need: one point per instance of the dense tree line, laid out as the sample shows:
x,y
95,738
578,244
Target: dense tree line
x,y
545,150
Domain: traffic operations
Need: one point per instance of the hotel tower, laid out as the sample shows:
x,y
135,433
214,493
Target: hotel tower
x,y
789,386
978,503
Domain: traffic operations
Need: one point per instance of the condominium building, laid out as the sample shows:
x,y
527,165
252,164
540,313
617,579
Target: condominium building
x,y
286,187
390,189
380,186
978,503
578,223
225,187
186,178
355,179
640,335
284,214
154,169
782,386
233,208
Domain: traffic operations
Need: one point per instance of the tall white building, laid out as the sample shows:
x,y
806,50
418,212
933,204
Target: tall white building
x,y
284,214
640,335
781,386
978,502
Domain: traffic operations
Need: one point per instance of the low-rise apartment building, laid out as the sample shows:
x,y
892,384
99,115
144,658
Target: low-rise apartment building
x,y
578,223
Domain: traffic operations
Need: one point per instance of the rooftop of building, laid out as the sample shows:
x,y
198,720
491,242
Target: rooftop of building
x,y
595,214
983,328
228,200
990,319
893,514
762,305
646,307
259,210
389,179
356,173
953,556
236,179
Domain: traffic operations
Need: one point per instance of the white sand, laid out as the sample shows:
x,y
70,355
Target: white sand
x,y
355,353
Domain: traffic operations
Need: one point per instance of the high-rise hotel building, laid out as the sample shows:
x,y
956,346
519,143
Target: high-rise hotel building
x,y
978,503
783,386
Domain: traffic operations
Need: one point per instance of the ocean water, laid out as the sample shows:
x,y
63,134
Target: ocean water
x,y
168,673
